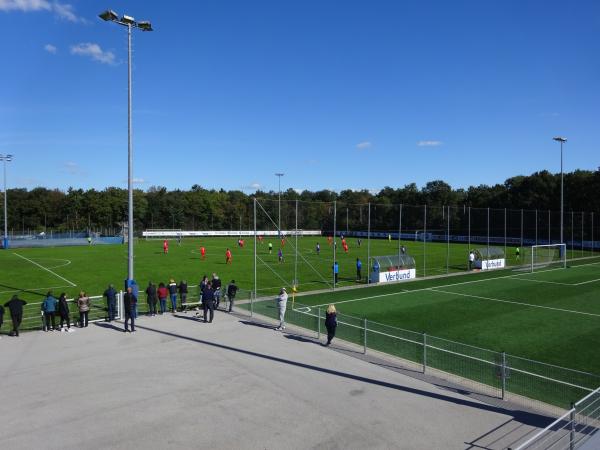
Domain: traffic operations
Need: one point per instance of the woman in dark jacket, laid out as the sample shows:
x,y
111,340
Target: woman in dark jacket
x,y
330,323
63,311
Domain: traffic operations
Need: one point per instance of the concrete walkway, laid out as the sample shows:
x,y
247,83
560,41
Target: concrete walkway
x,y
233,384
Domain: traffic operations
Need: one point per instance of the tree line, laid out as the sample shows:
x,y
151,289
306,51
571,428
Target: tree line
x,y
42,209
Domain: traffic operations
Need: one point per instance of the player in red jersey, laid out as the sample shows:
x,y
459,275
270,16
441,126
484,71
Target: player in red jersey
x,y
165,246
203,252
228,257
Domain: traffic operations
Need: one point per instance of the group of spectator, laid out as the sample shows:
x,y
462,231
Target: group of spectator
x,y
51,308
210,295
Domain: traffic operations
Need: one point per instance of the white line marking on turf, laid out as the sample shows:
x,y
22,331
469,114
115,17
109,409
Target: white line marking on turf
x,y
542,281
46,269
587,282
442,286
492,299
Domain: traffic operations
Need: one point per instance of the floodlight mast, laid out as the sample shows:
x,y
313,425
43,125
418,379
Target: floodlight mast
x,y
279,175
562,140
129,22
5,159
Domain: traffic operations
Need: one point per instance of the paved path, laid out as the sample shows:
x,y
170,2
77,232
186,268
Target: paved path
x,y
178,383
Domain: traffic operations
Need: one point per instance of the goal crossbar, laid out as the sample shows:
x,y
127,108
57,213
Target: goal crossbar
x,y
548,254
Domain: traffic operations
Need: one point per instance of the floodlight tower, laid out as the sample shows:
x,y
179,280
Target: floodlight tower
x,y
279,175
5,158
562,140
130,23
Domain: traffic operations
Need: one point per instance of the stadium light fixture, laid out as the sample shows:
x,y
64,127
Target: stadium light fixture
x,y
5,159
279,175
129,22
562,140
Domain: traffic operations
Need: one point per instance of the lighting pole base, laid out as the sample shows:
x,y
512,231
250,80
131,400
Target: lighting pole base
x,y
5,243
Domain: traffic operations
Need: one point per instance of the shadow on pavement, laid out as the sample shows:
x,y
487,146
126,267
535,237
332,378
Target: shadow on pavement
x,y
528,418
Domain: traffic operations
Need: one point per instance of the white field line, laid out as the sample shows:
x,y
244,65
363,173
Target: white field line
x,y
46,269
542,281
587,282
492,299
441,286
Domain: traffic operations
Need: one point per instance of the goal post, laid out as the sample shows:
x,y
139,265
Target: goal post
x,y
548,255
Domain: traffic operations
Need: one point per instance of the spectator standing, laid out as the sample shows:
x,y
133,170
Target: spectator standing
x,y
83,303
208,302
163,293
336,271
471,259
231,293
216,287
129,301
330,323
358,269
49,310
282,299
111,302
64,313
15,306
151,298
183,292
173,294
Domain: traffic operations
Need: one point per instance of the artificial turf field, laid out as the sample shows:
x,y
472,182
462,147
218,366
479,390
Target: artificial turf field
x,y
551,316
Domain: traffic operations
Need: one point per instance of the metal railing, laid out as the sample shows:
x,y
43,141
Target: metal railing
x,y
572,430
539,385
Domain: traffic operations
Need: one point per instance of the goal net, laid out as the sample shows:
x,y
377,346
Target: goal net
x,y
548,256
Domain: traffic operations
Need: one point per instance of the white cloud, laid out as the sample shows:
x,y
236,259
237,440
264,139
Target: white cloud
x,y
252,187
94,51
72,168
25,5
50,48
429,143
61,10
364,145
65,11
138,181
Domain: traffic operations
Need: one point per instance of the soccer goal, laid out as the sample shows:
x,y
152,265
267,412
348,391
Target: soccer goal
x,y
549,255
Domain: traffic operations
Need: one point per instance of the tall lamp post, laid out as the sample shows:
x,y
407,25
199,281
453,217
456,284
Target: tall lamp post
x,y
279,175
5,158
562,140
130,23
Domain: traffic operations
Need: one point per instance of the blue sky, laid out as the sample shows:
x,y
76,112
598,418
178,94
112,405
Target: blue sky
x,y
335,94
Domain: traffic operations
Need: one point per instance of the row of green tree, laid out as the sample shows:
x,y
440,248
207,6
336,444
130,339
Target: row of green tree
x,y
42,209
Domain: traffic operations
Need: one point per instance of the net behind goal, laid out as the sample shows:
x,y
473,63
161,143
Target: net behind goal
x,y
548,256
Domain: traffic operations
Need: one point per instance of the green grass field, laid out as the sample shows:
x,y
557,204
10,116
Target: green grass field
x,y
511,311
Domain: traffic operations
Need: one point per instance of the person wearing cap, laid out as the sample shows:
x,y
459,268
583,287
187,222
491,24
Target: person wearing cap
x,y
282,305
173,292
231,292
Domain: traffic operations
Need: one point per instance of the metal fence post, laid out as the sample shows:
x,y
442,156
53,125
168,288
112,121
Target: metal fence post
x,y
424,352
319,323
121,306
572,428
252,294
365,336
503,374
